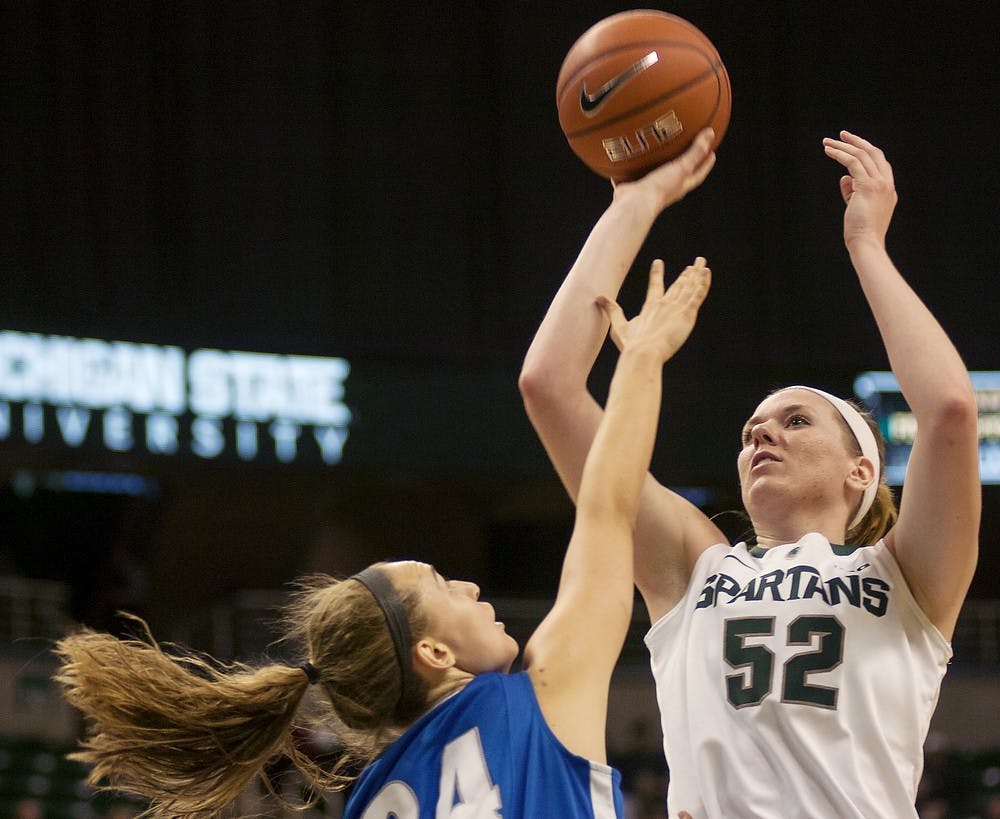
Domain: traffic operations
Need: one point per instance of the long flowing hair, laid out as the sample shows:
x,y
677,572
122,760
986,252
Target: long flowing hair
x,y
188,733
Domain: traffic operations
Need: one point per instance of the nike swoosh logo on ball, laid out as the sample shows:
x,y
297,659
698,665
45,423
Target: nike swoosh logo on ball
x,y
589,103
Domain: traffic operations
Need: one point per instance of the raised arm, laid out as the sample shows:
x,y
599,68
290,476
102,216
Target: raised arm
x,y
571,655
553,383
936,538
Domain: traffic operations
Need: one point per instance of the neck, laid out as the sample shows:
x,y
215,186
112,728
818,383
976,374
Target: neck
x,y
784,516
789,529
451,682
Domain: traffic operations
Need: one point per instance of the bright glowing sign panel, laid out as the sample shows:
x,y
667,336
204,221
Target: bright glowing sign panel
x,y
161,400
880,392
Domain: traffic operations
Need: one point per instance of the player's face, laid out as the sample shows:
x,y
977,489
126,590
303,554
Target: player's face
x,y
795,449
459,619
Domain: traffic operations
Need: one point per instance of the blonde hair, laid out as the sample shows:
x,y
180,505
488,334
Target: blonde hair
x,y
188,734
883,512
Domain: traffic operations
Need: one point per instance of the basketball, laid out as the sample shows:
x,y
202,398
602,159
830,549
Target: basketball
x,y
635,90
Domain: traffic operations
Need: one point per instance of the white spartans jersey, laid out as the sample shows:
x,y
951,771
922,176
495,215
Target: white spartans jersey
x,y
796,682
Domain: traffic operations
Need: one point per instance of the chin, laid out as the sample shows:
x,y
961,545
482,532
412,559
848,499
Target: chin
x,y
515,649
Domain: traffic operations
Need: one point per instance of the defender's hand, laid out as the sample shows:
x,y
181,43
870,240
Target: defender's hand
x,y
666,318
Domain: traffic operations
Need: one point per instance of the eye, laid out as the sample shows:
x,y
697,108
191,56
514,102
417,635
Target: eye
x,y
796,421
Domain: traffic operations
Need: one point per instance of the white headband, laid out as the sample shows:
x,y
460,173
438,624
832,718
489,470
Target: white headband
x,y
866,440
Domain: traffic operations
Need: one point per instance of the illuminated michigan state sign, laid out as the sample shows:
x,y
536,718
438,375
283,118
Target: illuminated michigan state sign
x,y
880,392
120,396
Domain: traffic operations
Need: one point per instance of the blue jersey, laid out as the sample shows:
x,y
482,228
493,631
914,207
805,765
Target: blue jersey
x,y
485,753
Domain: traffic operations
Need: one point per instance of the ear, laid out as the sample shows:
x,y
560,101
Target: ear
x,y
862,474
432,655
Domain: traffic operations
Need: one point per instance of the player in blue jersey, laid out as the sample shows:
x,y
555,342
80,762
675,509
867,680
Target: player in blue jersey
x,y
415,665
797,672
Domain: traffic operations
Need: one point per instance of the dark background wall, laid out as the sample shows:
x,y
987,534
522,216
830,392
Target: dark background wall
x,y
388,183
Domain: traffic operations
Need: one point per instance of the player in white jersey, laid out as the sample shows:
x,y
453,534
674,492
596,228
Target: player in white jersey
x,y
796,676
413,663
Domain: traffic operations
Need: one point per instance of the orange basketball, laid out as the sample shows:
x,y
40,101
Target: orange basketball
x,y
636,89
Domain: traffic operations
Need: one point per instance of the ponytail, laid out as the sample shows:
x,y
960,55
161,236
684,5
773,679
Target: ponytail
x,y
189,735
175,729
878,520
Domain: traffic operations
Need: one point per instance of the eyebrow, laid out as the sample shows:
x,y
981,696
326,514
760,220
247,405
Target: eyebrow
x,y
435,574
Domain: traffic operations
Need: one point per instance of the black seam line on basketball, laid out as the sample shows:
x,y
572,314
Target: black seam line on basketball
x,y
638,109
590,103
654,102
711,57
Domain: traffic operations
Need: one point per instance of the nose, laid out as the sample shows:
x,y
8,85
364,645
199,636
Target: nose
x,y
469,588
761,433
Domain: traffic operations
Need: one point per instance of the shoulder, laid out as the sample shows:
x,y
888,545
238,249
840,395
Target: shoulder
x,y
710,557
496,693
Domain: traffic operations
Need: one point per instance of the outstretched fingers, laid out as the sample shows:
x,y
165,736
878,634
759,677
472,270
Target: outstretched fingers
x,y
690,288
668,321
654,289
852,160
867,189
872,153
666,318
859,157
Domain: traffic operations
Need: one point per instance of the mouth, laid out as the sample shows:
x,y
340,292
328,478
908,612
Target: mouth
x,y
763,457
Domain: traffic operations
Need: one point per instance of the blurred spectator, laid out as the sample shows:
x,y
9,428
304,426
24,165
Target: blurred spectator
x,y
940,785
991,810
644,772
934,809
28,809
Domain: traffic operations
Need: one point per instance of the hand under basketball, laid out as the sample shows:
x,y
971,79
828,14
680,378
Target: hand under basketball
x,y
672,181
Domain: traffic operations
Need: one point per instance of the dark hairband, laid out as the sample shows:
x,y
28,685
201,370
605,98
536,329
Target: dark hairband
x,y
398,621
311,672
